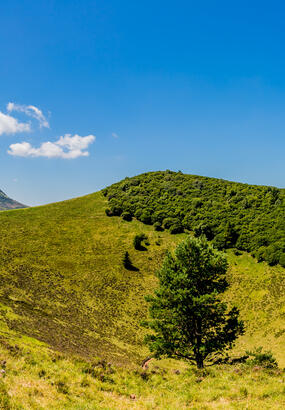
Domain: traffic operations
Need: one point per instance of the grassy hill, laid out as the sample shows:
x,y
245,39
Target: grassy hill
x,y
64,287
8,203
248,217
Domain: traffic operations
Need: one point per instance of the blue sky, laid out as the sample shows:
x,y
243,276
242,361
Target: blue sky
x,y
125,87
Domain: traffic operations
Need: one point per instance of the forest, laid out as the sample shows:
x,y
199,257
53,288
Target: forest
x,y
230,214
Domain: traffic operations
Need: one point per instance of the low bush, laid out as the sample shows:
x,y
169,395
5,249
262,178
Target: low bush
x,y
260,358
127,216
138,241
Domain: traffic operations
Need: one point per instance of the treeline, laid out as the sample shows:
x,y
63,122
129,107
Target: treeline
x,y
232,215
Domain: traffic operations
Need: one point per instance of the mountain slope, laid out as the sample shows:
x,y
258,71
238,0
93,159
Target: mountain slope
x,y
248,217
63,282
8,203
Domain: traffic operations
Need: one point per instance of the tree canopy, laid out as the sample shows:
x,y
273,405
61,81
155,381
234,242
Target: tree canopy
x,y
248,217
188,318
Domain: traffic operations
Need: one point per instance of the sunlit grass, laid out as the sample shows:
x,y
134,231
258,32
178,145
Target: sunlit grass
x,y
36,377
66,301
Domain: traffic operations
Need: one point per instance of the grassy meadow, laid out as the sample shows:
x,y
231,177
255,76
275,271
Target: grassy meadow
x,y
36,378
70,317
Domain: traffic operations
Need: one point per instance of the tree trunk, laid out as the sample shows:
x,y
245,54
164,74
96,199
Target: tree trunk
x,y
199,361
198,356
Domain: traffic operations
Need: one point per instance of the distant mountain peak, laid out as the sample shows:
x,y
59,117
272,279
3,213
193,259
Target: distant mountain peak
x,y
3,193
7,203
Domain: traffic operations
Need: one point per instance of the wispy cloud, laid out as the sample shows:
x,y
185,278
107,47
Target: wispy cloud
x,y
66,147
10,125
115,135
30,111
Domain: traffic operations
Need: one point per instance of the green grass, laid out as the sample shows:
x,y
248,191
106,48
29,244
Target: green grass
x,y
37,378
66,299
62,275
259,292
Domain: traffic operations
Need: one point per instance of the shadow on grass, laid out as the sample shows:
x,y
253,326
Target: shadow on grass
x,y
131,267
141,248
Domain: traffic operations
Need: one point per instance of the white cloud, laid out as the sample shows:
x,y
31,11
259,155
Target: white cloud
x,y
115,135
31,111
67,147
10,125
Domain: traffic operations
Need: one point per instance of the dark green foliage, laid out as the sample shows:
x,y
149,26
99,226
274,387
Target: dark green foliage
x,y
237,252
138,242
176,228
145,217
220,241
282,260
260,358
204,229
169,222
108,212
247,217
127,216
127,262
114,210
188,318
157,226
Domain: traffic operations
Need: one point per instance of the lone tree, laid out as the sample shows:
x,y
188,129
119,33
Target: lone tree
x,y
188,318
128,263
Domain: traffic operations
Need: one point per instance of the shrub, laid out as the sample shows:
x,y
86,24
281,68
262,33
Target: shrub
x,y
177,228
157,226
282,260
128,263
260,254
260,358
108,212
244,241
126,260
204,229
116,210
219,241
272,255
145,218
168,222
138,240
197,203
127,216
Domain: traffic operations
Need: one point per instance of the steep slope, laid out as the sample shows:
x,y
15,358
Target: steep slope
x,y
8,203
63,282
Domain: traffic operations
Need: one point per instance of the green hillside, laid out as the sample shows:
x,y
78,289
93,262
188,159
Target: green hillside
x,y
61,274
8,203
248,217
64,287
